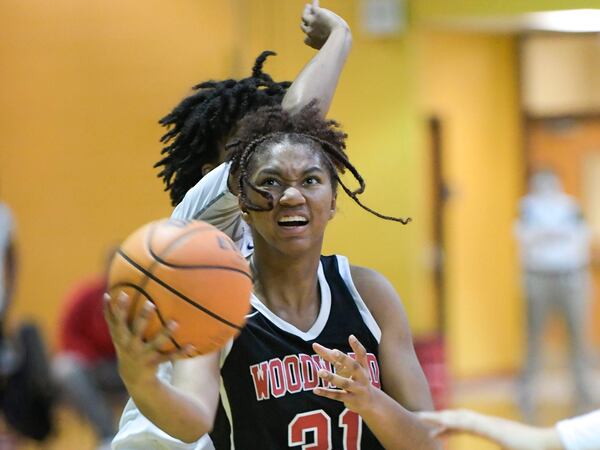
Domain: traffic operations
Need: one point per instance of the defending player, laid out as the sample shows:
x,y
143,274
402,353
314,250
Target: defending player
x,y
288,171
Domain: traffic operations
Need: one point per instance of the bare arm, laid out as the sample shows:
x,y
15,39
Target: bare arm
x,y
506,433
401,371
186,409
388,413
318,80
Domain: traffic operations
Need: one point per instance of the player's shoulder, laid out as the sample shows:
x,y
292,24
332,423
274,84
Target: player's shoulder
x,y
377,292
365,276
210,189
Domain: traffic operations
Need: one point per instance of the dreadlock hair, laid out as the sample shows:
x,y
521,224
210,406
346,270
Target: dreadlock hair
x,y
271,125
204,120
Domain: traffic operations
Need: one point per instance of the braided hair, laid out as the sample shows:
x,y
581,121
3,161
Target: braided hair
x,y
202,122
272,125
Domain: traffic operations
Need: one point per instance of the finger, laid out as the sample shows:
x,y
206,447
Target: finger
x,y
306,12
344,364
308,19
141,321
108,312
338,381
334,357
334,394
306,29
161,338
116,323
360,353
329,355
120,307
324,352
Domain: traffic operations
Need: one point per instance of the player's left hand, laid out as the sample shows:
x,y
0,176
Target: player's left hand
x,y
318,23
351,377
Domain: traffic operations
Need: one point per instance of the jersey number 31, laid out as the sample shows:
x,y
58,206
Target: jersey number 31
x,y
319,423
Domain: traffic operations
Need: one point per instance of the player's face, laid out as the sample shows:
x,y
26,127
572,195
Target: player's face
x,y
297,178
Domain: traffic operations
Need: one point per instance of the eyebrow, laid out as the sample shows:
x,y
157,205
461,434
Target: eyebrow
x,y
274,171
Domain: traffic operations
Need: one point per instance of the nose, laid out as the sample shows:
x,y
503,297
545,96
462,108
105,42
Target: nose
x,y
292,197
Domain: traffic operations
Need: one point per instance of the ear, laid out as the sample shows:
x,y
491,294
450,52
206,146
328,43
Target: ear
x,y
207,168
244,213
333,208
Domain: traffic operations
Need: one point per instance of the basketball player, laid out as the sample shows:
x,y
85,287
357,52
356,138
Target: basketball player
x,y
257,392
195,145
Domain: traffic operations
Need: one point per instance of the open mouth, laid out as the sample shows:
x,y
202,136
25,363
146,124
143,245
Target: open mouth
x,y
292,221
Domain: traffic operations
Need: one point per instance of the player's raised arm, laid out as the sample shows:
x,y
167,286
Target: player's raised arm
x,y
330,34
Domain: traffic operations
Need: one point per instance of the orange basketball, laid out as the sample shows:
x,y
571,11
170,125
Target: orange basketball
x,y
192,273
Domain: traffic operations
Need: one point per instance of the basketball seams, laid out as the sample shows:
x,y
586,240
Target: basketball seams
x,y
154,259
151,300
179,241
153,277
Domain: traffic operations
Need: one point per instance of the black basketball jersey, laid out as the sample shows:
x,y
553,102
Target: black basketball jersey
x,y
270,370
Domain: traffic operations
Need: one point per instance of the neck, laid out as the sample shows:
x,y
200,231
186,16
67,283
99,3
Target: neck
x,y
285,281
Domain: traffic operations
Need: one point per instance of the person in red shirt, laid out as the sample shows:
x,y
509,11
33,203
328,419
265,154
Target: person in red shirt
x,y
85,366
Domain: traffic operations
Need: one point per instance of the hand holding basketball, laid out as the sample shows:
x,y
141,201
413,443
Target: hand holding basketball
x,y
171,272
138,357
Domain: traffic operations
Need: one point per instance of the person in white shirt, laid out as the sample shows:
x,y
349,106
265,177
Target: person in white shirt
x,y
200,186
554,245
578,433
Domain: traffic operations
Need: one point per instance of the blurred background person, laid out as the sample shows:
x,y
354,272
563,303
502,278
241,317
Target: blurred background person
x,y
554,244
85,365
8,263
26,392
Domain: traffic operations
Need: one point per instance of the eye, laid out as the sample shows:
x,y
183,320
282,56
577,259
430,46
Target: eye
x,y
269,182
311,180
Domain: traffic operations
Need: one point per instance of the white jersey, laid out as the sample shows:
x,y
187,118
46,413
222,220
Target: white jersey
x,y
6,233
581,433
209,200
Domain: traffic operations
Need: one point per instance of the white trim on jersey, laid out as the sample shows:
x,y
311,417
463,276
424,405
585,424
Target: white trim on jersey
x,y
346,274
224,353
316,327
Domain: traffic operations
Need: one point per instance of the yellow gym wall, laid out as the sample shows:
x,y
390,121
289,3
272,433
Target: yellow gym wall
x,y
470,83
83,84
